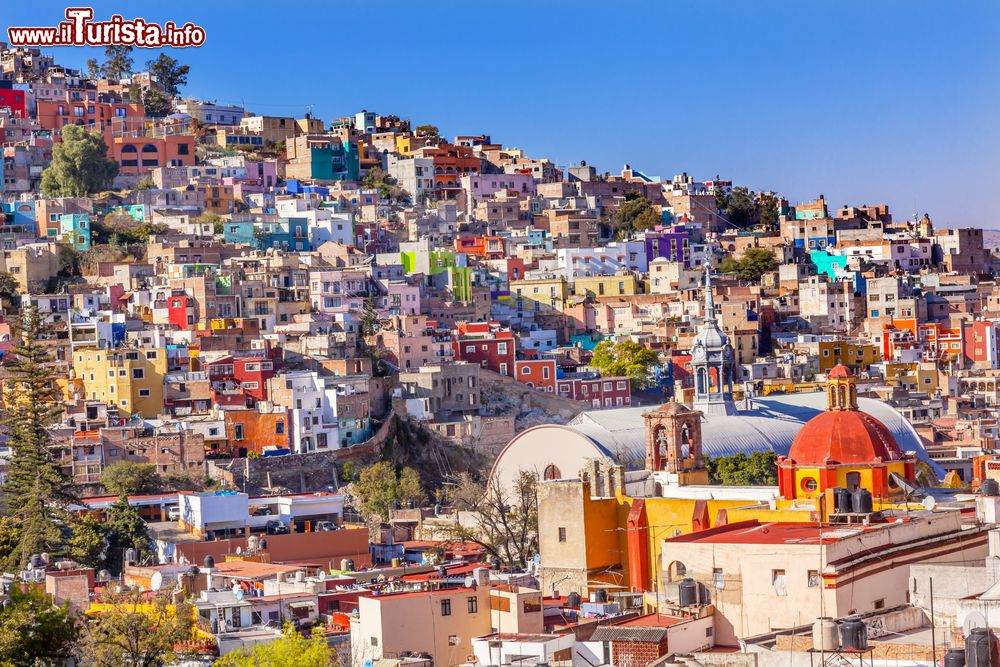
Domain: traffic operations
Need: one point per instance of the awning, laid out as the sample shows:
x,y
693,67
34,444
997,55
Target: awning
x,y
301,605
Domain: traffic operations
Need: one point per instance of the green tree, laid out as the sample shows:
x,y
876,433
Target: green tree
x,y
93,69
385,184
125,478
126,530
754,263
34,632
35,491
292,650
135,93
625,358
169,73
636,214
88,542
758,469
118,62
506,518
133,630
145,183
739,206
380,488
426,131
768,205
156,102
369,324
80,165
9,291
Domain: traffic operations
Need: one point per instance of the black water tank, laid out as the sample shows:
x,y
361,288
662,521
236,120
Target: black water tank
x,y
980,648
990,487
688,592
853,634
573,600
955,657
209,562
861,500
842,500
601,596
442,571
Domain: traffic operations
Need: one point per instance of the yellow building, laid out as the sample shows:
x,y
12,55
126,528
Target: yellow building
x,y
130,379
537,294
613,285
854,355
403,146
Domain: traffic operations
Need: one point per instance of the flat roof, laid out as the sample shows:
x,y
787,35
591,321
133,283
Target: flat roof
x,y
754,532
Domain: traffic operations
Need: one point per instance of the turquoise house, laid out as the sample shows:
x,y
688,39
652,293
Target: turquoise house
x,y
74,230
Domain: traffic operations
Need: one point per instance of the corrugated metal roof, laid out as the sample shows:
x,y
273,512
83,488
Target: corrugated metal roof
x,y
617,633
769,425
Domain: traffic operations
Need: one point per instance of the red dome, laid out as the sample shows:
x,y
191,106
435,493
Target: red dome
x,y
843,436
840,371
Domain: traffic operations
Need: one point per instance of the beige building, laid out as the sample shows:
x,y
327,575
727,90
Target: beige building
x,y
767,576
440,623
31,265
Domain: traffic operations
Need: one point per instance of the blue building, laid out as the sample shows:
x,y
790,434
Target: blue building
x,y
279,233
19,216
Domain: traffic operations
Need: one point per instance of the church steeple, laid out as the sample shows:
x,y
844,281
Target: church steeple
x,y
712,361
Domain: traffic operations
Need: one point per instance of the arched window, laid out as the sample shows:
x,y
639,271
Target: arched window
x,y
854,396
843,397
130,156
702,381
551,472
150,156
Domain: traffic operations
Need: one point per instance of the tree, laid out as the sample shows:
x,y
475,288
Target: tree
x,y
292,650
758,469
426,131
739,206
157,103
93,69
380,488
125,478
34,632
118,63
9,290
88,542
386,185
126,530
768,205
35,491
169,73
754,264
145,183
505,520
625,358
635,214
130,629
80,165
369,325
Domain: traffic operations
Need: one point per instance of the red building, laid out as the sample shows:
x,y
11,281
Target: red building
x,y
490,247
450,164
981,344
485,343
600,392
12,99
537,373
182,311
241,379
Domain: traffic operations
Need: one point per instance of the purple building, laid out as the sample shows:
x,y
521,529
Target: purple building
x,y
668,242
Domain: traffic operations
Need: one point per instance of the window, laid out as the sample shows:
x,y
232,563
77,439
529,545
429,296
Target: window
x,y
880,603
138,374
237,431
562,534
532,605
151,354
279,427
143,393
812,579
778,581
446,607
473,604
718,579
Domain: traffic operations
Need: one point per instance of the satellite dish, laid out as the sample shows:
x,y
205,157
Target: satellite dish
x,y
322,575
156,581
239,593
908,488
239,550
929,503
973,620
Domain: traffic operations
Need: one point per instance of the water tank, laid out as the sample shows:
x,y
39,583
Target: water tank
x,y
442,571
853,634
131,556
990,487
688,592
263,543
573,600
980,648
861,499
35,560
955,657
396,562
825,634
601,596
347,564
209,562
842,501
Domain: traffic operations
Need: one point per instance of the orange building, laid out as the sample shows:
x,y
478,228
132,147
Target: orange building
x,y
138,155
252,431
450,164
537,373
78,108
490,247
218,198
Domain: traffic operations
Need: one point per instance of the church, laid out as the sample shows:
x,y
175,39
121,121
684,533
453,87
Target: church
x,y
726,427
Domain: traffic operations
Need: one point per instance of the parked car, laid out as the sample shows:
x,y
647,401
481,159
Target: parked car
x,y
174,513
325,526
275,528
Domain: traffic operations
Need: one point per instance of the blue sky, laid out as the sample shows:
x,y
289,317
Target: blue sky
x,y
894,101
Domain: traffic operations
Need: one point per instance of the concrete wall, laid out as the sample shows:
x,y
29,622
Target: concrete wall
x,y
324,548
